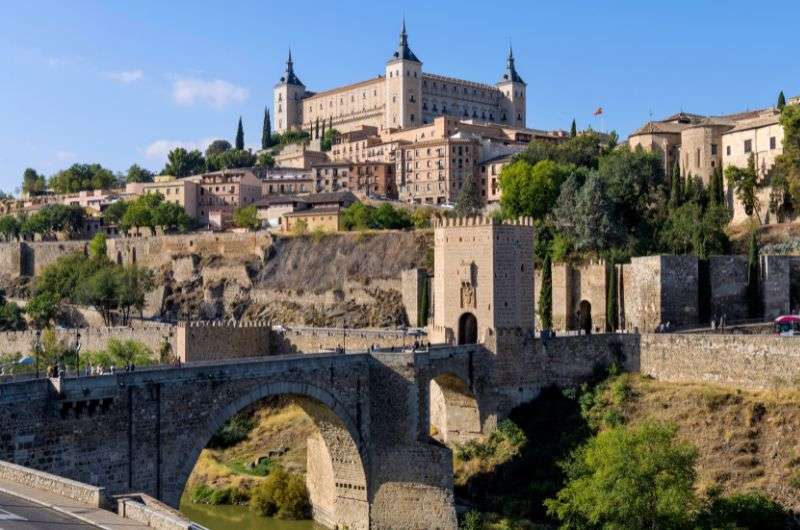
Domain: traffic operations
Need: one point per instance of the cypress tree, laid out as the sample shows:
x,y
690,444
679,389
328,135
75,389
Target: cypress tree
x,y
781,101
424,304
753,287
676,189
573,131
546,294
316,132
322,132
240,135
716,193
612,307
266,131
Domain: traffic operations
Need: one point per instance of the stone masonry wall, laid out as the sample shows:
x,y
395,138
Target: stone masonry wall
x,y
71,489
92,339
754,362
313,340
206,341
775,277
728,287
679,290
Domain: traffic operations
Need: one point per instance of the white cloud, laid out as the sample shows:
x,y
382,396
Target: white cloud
x,y
63,156
161,148
215,93
126,76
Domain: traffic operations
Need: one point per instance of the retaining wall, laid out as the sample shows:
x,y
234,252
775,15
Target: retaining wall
x,y
92,339
71,489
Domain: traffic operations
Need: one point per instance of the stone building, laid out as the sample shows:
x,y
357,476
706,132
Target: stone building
x,y
475,294
402,96
222,192
365,179
279,180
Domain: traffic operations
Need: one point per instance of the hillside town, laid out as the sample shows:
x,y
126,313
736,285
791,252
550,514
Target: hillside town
x,y
406,307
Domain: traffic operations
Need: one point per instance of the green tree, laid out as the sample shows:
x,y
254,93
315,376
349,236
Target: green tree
x,y
10,315
531,190
183,163
546,294
327,139
358,216
266,131
123,352
98,247
217,147
82,177
282,495
247,217
9,227
716,195
33,183
424,303
753,280
781,101
676,186
133,284
690,229
137,173
468,200
240,136
587,216
265,159
573,130
787,165
42,308
612,300
231,159
114,212
744,182
629,478
100,291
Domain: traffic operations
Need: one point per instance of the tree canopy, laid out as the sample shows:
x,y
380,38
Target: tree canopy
x,y
183,163
137,173
33,183
82,177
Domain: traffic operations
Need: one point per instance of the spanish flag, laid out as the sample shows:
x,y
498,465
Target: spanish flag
x,y
599,111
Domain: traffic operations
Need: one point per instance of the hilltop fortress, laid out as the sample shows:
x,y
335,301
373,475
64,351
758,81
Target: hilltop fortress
x,y
402,96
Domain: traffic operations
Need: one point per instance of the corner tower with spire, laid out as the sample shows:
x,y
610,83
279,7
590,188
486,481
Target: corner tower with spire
x,y
403,86
287,99
513,89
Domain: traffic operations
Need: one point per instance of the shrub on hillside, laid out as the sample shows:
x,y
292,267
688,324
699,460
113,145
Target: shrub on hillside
x,y
281,494
749,511
234,431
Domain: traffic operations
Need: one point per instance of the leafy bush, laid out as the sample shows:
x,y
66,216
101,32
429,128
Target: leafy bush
x,y
751,511
629,478
234,431
281,494
360,216
205,494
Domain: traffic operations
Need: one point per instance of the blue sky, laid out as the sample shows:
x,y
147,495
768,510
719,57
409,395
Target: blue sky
x,y
121,82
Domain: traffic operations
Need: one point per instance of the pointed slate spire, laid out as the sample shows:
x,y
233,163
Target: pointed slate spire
x,y
289,76
511,71
403,51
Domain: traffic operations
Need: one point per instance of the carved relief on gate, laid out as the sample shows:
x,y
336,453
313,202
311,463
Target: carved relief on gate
x,y
467,278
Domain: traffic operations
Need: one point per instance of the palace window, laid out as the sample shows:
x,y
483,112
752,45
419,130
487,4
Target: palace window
x,y
772,142
748,146
713,149
728,150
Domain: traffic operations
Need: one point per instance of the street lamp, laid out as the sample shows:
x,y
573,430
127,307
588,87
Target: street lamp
x,y
37,346
77,353
344,337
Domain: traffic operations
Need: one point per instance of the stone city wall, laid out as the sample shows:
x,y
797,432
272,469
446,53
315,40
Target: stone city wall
x,y
775,277
25,258
71,489
313,340
92,339
358,292
728,276
216,340
753,362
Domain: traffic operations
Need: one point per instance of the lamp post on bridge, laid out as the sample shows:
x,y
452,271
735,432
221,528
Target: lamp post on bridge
x,y
37,350
77,353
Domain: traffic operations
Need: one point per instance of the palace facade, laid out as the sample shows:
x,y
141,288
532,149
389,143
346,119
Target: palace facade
x,y
403,96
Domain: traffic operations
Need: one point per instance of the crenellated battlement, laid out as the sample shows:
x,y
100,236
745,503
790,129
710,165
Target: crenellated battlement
x,y
233,324
480,220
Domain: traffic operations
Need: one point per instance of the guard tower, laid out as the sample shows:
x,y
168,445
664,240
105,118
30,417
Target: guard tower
x,y
483,279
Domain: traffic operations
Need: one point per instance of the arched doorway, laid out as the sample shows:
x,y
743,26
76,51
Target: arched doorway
x,y
467,329
454,413
585,317
119,258
335,475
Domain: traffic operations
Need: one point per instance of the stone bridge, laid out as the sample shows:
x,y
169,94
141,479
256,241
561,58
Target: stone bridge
x,y
373,463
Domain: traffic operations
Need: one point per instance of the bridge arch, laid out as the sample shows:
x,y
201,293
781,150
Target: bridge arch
x,y
337,461
455,415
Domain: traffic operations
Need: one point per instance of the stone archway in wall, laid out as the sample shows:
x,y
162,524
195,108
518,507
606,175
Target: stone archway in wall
x,y
336,460
585,317
467,329
454,413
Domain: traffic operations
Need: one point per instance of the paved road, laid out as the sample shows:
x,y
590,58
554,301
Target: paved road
x,y
19,514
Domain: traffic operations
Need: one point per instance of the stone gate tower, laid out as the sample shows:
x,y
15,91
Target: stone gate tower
x,y
483,279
